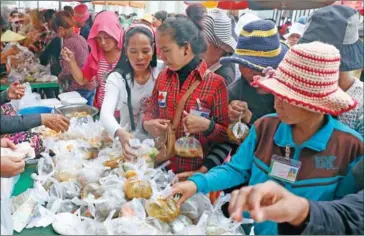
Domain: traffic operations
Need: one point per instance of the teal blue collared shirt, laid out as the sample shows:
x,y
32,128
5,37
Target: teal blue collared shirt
x,y
327,159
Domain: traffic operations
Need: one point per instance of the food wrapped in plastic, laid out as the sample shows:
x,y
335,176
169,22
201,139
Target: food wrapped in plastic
x,y
218,224
188,146
198,229
133,208
94,189
146,150
66,190
164,209
180,223
67,168
135,188
130,226
90,174
161,226
112,200
238,132
195,206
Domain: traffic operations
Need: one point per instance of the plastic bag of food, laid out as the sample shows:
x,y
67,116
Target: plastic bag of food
x,y
135,188
188,146
94,189
90,174
195,206
65,190
161,226
133,208
218,224
164,209
68,167
130,226
148,151
238,132
112,200
198,229
180,223
45,169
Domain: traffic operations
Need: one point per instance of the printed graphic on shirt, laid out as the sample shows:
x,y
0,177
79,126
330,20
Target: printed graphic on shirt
x,y
162,96
325,162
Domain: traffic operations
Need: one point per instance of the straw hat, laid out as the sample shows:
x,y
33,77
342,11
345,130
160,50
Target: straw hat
x,y
308,78
10,36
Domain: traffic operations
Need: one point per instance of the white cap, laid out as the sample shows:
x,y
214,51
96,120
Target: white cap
x,y
296,28
244,20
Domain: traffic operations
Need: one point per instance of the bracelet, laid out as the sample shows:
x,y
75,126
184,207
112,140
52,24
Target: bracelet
x,y
210,130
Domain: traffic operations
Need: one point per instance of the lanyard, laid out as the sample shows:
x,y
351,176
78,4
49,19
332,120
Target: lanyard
x,y
287,152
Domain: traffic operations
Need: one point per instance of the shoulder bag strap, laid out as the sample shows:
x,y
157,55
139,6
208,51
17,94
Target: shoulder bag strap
x,y
182,102
129,103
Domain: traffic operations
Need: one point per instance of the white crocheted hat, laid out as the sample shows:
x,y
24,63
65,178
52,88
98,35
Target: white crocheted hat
x,y
308,77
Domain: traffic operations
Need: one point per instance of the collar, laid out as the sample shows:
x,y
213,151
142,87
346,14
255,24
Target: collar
x,y
197,66
318,142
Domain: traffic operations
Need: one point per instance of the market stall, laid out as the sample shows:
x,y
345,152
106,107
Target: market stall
x,y
83,176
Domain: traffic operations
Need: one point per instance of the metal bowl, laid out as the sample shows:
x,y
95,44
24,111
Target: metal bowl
x,y
69,110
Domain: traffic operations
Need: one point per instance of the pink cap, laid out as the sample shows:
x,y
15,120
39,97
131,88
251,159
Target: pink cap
x,y
81,13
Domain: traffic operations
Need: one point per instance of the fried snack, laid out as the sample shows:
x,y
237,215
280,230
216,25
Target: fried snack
x,y
137,189
164,209
113,163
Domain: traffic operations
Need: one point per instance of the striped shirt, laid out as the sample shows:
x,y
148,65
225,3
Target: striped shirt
x,y
104,69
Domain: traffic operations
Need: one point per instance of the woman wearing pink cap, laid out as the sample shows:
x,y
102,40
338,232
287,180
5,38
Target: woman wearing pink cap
x,y
106,42
83,20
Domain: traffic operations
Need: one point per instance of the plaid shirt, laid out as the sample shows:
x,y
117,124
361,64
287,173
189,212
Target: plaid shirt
x,y
213,95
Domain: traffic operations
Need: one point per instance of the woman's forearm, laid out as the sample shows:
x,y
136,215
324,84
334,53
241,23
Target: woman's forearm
x,y
77,73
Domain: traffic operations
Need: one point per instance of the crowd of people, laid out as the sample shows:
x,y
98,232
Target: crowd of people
x,y
297,88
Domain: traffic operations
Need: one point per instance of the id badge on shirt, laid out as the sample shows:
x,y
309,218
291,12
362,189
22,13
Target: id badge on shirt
x,y
203,112
284,168
198,110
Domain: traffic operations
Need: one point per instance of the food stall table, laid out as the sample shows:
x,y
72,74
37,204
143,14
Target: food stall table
x,y
34,85
25,182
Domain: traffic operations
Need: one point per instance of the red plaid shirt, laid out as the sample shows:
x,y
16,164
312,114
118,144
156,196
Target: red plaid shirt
x,y
213,95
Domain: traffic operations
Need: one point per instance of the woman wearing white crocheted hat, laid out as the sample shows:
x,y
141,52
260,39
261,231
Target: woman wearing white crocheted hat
x,y
302,146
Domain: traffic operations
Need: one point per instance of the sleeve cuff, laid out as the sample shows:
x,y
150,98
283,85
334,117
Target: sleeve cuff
x,y
200,182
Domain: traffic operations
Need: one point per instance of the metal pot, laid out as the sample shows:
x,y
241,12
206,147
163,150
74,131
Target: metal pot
x,y
69,110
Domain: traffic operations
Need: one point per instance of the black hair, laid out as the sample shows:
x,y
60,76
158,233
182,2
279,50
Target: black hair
x,y
161,15
4,25
48,14
182,30
196,13
124,66
13,12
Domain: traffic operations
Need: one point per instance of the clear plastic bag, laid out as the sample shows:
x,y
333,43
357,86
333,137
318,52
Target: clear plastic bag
x,y
135,188
238,132
180,223
133,208
161,226
218,224
7,186
189,147
95,189
164,209
112,200
195,206
90,174
130,226
68,167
